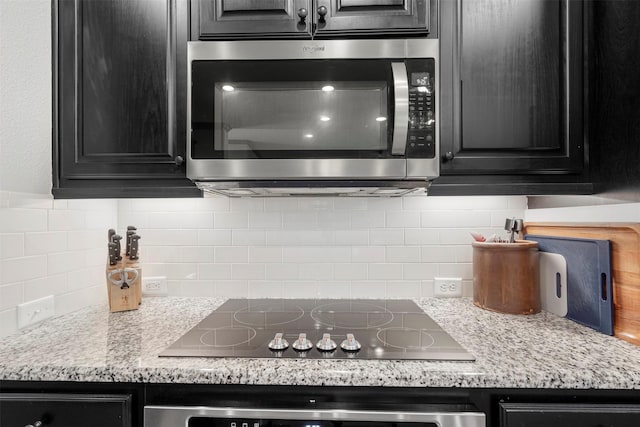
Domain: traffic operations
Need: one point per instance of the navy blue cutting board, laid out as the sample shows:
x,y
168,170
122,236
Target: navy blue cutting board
x,y
589,279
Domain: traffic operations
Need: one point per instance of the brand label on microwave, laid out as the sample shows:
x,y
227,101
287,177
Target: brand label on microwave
x,y
313,48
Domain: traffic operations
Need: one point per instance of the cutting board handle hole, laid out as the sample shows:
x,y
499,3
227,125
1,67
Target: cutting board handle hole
x,y
558,285
603,277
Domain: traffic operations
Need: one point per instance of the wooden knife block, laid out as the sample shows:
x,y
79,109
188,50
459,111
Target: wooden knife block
x,y
128,298
506,277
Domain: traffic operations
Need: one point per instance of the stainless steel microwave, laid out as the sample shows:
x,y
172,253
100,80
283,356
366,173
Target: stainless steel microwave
x,y
354,117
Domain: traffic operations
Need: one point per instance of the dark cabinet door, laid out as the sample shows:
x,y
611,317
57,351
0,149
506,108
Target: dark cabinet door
x,y
65,410
516,85
237,19
569,415
120,98
388,17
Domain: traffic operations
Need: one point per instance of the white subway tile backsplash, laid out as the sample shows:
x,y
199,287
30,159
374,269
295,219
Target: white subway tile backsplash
x,y
437,253
469,202
11,245
464,270
386,236
299,237
300,220
50,285
71,301
265,220
182,271
397,289
98,256
11,295
351,237
233,220
66,220
196,254
8,321
368,254
420,271
248,272
45,242
317,204
265,254
214,237
281,271
248,237
280,204
63,262
421,236
403,254
78,240
180,220
331,289
82,278
197,288
464,253
381,271
350,204
313,271
265,289
160,254
385,204
24,268
401,219
369,289
168,237
231,254
367,219
348,271
333,220
316,254
251,204
443,219
302,289
214,271
22,220
232,288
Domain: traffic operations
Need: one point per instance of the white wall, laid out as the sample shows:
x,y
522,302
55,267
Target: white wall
x,y
312,247
627,212
25,96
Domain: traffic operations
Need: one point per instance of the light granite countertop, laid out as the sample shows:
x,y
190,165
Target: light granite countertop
x,y
537,351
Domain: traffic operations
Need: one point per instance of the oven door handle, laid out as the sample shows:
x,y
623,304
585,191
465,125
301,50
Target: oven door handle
x,y
401,114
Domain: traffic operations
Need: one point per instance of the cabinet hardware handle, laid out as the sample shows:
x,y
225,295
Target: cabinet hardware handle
x,y
302,14
322,11
179,160
36,424
448,156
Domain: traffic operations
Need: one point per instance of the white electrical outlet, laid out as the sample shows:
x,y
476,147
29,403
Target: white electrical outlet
x,y
35,311
447,287
154,286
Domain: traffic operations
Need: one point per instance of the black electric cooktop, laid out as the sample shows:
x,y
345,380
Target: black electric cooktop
x,y
316,329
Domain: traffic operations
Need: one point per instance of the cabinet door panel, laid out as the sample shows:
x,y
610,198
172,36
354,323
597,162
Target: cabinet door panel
x,y
65,410
516,80
373,16
120,98
568,415
220,19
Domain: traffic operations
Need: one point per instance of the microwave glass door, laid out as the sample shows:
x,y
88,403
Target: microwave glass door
x,y
291,109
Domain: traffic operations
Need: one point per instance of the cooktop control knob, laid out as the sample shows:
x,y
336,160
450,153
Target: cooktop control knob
x,y
326,343
350,344
278,343
302,343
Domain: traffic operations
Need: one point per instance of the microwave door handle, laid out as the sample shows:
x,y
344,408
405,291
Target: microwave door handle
x,y
401,115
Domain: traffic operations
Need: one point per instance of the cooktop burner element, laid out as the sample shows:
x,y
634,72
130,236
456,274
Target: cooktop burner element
x,y
340,329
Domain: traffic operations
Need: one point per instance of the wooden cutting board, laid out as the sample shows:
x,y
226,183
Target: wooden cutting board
x,y
625,263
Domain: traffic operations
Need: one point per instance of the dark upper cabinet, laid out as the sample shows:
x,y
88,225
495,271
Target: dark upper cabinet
x,y
120,98
513,89
237,19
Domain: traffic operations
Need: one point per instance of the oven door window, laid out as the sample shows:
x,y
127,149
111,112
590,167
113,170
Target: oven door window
x,y
225,422
291,109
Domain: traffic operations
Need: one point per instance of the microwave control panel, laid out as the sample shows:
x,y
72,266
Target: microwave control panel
x,y
421,137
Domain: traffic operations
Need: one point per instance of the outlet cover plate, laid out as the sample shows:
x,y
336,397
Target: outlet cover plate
x,y
447,287
35,311
155,286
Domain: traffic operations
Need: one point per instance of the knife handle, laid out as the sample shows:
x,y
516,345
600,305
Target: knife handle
x,y
133,254
113,258
116,240
128,247
110,235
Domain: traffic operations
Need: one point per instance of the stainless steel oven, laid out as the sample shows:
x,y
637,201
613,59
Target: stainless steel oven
x,y
313,113
198,416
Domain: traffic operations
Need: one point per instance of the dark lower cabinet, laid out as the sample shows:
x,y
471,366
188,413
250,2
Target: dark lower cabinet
x,y
120,98
569,415
256,19
65,410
